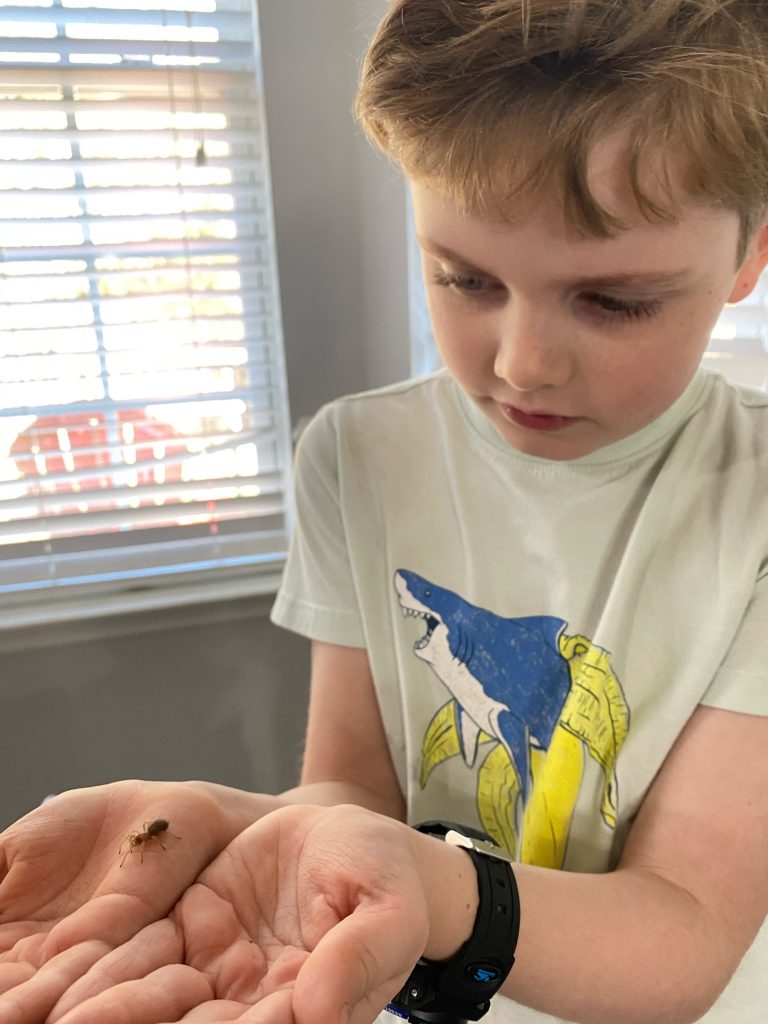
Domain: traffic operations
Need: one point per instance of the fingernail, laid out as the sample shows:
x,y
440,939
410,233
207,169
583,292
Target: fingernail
x,y
346,1013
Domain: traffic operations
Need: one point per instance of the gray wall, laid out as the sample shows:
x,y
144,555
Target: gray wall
x,y
339,206
215,691
204,692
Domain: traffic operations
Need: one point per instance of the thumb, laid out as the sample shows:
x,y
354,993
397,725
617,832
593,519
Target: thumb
x,y
361,963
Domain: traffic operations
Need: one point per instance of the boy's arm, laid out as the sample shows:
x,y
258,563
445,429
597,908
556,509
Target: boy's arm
x,y
346,756
657,939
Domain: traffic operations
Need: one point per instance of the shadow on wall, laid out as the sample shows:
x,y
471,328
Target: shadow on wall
x,y
218,700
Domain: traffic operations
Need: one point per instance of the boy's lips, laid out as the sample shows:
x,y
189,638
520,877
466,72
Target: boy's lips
x,y
537,420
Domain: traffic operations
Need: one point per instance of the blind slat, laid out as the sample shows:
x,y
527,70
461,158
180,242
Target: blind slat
x,y
95,223
191,248
116,302
243,191
246,398
48,494
235,22
103,452
73,525
60,51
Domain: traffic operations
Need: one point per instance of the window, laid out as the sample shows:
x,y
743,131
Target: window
x,y
739,346
144,429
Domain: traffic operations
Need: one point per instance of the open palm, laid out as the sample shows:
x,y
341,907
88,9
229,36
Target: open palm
x,y
308,912
66,899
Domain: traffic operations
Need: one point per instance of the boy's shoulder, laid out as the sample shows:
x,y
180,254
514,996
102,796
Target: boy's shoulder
x,y
393,404
748,396
431,387
380,419
738,406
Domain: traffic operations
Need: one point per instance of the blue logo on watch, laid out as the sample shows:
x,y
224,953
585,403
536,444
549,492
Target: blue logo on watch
x,y
483,973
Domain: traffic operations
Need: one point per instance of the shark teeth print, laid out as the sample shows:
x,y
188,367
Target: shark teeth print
x,y
413,613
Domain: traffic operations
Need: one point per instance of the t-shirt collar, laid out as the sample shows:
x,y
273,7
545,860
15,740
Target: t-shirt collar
x,y
626,448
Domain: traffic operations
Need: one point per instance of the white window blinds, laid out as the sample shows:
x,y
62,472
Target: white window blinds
x,y
144,431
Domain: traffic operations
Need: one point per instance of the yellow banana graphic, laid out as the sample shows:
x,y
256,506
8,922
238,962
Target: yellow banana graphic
x,y
441,740
596,712
557,774
498,788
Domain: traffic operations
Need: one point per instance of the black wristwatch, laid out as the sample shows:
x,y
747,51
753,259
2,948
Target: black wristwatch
x,y
460,989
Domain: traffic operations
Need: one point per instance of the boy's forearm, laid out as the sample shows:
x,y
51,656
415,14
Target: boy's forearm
x,y
331,793
244,808
625,947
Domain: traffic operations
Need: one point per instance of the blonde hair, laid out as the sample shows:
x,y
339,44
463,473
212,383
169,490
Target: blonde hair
x,y
497,101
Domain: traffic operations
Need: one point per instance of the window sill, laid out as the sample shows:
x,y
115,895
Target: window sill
x,y
140,612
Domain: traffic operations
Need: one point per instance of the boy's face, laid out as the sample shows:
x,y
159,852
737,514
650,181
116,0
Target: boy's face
x,y
569,344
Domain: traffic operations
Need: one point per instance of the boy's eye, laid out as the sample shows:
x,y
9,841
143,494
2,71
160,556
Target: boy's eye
x,y
608,307
469,283
622,309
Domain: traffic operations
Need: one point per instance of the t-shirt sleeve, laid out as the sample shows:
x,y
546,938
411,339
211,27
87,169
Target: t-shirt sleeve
x,y
317,596
741,683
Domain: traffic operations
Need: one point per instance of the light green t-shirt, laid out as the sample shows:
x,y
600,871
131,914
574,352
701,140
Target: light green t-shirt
x,y
539,632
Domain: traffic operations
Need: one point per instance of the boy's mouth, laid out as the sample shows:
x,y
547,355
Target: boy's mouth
x,y
537,421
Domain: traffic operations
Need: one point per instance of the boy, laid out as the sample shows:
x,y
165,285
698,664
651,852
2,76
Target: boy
x,y
536,582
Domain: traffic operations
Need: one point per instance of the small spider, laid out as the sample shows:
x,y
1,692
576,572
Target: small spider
x,y
151,830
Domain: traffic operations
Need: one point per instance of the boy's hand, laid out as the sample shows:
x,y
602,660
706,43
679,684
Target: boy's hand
x,y
64,893
307,913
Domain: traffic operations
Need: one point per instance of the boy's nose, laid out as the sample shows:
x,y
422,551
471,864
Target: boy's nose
x,y
532,352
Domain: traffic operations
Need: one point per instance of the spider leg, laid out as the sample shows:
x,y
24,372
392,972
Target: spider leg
x,y
128,839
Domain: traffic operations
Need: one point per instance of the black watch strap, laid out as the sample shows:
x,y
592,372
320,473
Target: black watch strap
x,y
461,988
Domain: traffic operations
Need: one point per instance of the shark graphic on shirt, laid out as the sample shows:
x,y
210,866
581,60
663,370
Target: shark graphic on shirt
x,y
539,696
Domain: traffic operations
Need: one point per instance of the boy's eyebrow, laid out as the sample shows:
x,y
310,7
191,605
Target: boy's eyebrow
x,y
652,279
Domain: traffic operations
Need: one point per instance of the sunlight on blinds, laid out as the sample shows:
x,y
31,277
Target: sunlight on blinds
x,y
144,430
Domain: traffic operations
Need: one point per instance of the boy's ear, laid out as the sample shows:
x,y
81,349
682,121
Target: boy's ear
x,y
752,267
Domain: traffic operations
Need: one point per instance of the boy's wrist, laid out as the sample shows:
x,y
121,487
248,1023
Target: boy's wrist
x,y
450,887
237,809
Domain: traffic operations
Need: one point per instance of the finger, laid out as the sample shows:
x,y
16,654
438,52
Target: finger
x,y
360,963
157,945
215,1011
276,1008
10,934
21,963
217,944
19,892
12,975
28,950
113,918
33,999
165,995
